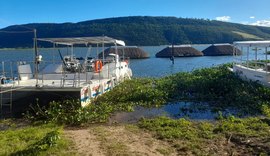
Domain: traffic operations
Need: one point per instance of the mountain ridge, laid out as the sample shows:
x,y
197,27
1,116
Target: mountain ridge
x,y
140,30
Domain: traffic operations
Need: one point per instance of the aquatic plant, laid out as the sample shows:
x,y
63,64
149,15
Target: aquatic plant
x,y
137,92
143,92
218,87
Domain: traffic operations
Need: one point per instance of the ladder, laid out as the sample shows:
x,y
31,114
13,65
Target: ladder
x,y
6,102
77,79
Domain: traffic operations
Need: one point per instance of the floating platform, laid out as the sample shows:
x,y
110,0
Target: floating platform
x,y
82,79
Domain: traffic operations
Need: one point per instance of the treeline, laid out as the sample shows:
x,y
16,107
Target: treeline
x,y
140,30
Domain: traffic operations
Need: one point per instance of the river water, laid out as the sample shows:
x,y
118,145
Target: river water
x,y
151,67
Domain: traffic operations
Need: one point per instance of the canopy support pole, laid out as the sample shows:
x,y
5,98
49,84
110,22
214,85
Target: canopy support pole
x,y
103,50
247,56
36,55
97,52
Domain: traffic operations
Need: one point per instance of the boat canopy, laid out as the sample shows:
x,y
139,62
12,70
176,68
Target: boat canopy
x,y
252,43
83,40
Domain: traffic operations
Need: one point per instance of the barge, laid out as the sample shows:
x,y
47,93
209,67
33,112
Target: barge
x,y
70,77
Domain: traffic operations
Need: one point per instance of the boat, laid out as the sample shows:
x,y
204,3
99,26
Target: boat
x,y
251,66
82,78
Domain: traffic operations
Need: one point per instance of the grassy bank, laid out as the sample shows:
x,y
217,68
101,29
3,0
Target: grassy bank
x,y
159,136
217,87
21,138
234,136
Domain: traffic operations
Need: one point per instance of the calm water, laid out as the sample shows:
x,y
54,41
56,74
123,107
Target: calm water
x,y
190,110
152,67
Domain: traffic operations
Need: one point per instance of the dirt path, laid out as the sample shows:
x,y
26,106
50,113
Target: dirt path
x,y
116,140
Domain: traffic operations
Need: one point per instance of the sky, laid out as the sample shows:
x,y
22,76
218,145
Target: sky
x,y
252,12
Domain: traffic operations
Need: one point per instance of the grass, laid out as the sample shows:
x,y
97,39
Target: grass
x,y
197,137
164,151
45,139
247,36
111,147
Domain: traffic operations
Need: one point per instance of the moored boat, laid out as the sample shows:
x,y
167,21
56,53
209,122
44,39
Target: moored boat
x,y
47,80
250,66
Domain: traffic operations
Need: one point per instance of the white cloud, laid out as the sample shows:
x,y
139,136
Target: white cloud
x,y
252,17
265,23
223,18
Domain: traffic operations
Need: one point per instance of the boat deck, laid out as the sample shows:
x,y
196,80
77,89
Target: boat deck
x,y
51,85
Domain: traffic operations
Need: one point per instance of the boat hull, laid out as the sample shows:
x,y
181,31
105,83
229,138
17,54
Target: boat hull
x,y
257,75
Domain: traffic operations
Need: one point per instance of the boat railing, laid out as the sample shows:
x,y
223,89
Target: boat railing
x,y
51,73
256,64
124,58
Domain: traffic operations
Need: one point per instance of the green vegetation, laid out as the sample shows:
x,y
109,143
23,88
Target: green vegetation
x,y
136,92
247,36
46,139
218,87
141,30
196,137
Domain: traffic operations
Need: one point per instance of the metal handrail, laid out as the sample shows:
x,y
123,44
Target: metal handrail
x,y
82,75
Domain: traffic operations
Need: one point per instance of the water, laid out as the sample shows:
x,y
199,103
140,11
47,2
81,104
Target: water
x,y
152,67
190,110
158,67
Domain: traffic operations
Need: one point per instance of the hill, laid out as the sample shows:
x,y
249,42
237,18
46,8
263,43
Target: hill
x,y
140,30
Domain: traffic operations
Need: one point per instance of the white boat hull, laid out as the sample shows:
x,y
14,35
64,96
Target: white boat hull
x,y
258,75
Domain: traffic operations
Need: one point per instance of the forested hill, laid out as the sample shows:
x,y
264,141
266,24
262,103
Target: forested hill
x,y
140,30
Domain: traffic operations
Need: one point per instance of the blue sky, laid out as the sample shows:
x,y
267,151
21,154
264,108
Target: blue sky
x,y
256,12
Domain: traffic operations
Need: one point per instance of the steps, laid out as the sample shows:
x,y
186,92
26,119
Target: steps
x,y
6,102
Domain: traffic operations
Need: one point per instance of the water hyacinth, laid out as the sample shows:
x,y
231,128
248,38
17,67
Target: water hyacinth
x,y
216,86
